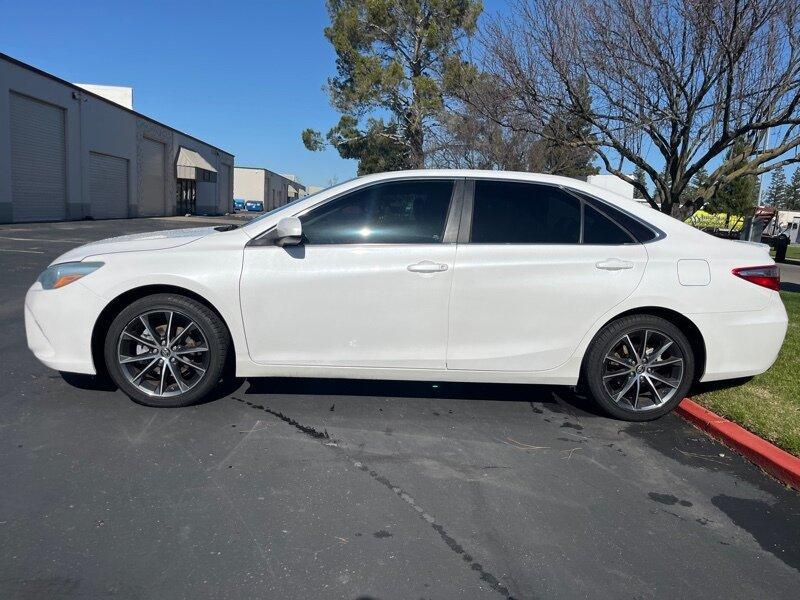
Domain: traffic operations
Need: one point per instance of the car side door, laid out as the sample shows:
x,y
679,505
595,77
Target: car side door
x,y
367,287
536,267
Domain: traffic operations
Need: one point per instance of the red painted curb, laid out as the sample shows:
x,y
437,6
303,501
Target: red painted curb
x,y
773,460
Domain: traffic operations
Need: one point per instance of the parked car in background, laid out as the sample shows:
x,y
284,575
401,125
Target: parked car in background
x,y
436,275
254,206
238,204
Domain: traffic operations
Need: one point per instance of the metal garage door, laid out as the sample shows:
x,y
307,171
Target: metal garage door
x,y
38,160
108,186
224,189
151,202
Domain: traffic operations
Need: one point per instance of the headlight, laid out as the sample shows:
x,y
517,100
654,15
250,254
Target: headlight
x,y
57,276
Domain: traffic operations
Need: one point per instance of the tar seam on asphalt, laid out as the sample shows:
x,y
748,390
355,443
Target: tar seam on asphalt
x,y
492,581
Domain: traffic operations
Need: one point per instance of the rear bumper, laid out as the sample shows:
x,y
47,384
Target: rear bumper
x,y
59,324
741,344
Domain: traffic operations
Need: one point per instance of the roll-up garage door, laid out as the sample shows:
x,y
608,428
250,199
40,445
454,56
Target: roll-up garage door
x,y
108,186
224,187
151,203
38,160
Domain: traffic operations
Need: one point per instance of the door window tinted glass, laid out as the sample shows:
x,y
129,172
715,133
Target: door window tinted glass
x,y
640,232
402,212
637,229
507,212
599,229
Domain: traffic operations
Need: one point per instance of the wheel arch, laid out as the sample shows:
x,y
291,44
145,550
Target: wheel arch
x,y
108,313
682,322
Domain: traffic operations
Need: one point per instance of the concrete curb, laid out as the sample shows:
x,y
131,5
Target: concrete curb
x,y
773,460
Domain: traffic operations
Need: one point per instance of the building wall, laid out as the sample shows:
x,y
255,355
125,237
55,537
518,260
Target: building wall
x,y
277,190
255,183
250,184
209,198
95,125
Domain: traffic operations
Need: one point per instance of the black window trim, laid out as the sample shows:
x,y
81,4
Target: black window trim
x,y
451,226
465,232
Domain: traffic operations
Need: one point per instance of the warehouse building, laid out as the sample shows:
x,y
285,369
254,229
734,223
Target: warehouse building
x,y
67,152
263,185
296,189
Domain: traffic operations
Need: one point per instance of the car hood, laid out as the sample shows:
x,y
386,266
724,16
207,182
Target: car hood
x,y
155,240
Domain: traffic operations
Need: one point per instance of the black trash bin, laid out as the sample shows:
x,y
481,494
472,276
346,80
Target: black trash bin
x,y
781,244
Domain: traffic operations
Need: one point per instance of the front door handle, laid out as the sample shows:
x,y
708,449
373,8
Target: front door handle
x,y
614,264
427,266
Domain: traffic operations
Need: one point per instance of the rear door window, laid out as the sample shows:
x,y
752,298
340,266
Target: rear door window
x,y
509,212
600,230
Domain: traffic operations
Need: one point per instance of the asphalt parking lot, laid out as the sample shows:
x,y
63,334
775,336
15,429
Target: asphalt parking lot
x,y
346,489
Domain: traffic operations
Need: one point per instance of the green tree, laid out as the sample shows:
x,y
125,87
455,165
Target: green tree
x,y
776,194
391,57
640,183
738,196
793,192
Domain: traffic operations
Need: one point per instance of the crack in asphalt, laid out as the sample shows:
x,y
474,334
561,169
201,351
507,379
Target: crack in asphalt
x,y
310,431
488,578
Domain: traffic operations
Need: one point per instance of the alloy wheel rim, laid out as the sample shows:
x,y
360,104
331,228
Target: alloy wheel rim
x,y
163,353
643,370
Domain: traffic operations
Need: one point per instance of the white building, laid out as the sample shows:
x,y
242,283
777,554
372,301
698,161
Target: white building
x,y
67,152
262,185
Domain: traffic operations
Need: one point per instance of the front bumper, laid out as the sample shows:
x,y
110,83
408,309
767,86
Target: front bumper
x,y
741,344
59,324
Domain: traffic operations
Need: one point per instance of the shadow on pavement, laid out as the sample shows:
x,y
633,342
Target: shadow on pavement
x,y
553,396
101,383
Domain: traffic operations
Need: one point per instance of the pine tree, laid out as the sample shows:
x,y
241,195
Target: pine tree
x,y
391,56
793,191
777,192
639,176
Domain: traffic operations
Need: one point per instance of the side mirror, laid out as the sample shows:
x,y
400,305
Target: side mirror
x,y
288,232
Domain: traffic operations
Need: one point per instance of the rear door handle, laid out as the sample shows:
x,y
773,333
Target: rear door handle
x,y
427,266
614,264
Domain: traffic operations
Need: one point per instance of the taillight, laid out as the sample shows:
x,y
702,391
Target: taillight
x,y
768,276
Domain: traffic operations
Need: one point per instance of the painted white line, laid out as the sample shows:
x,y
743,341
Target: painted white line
x,y
16,239
25,251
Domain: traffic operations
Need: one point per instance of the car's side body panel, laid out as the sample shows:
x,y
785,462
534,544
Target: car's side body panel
x,y
515,307
347,305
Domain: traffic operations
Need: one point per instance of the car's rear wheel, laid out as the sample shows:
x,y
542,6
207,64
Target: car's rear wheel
x,y
166,350
639,367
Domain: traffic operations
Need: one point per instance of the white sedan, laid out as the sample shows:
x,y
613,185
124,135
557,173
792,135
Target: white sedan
x,y
473,276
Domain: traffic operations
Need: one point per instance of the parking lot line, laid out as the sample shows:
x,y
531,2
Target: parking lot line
x,y
57,241
24,251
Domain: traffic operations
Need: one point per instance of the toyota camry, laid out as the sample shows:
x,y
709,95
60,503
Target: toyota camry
x,y
471,276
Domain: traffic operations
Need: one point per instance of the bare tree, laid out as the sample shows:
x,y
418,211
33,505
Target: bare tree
x,y
465,137
682,80
492,134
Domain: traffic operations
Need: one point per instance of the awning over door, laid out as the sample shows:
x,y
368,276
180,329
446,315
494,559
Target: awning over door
x,y
189,162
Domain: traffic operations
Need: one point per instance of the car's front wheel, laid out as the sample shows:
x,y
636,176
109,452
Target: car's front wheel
x,y
166,350
639,367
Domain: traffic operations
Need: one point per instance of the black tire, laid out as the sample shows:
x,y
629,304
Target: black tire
x,y
211,328
594,366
